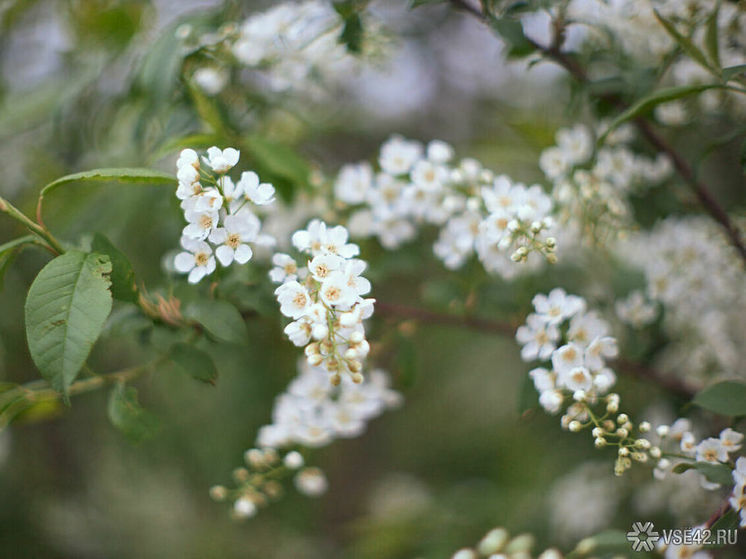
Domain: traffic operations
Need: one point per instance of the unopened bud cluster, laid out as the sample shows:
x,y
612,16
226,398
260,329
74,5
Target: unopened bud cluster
x,y
325,300
498,543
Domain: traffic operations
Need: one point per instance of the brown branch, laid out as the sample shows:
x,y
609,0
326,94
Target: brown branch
x,y
682,166
504,328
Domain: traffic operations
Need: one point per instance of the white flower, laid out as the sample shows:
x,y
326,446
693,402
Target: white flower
x,y
439,152
428,175
557,306
711,450
260,194
399,155
201,223
688,443
576,143
324,264
221,161
599,349
551,400
285,268
538,338
353,183
293,460
355,282
335,291
730,440
294,299
244,508
543,379
197,261
567,357
586,327
553,161
233,238
577,378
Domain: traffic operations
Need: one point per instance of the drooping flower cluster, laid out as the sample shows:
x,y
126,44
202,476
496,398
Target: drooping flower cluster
x,y
477,212
310,413
325,300
220,220
498,543
590,188
681,446
703,310
575,344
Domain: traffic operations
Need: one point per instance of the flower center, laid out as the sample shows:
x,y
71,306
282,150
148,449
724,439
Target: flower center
x,y
205,222
233,240
201,258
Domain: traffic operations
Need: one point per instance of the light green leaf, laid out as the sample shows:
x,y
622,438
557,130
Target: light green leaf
x,y
66,308
127,415
653,100
220,319
123,285
127,175
725,398
684,42
194,362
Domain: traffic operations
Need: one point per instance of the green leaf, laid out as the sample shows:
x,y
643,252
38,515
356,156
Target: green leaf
x,y
684,42
511,30
352,32
418,3
279,161
123,285
194,362
732,71
66,308
220,319
729,521
126,175
725,398
716,473
654,99
711,36
127,415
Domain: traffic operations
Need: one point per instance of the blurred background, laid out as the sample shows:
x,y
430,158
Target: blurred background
x,y
99,83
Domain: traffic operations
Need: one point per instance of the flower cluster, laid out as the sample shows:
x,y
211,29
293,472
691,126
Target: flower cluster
x,y
293,44
703,310
311,413
590,188
498,543
325,299
220,220
477,212
681,446
575,344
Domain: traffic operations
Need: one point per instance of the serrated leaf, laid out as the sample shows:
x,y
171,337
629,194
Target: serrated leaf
x,y
123,285
194,362
127,415
66,308
281,161
220,319
725,398
653,100
684,42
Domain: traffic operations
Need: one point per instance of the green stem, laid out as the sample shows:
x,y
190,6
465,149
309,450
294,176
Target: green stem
x,y
35,228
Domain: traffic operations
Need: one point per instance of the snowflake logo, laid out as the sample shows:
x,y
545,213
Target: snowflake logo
x,y
643,536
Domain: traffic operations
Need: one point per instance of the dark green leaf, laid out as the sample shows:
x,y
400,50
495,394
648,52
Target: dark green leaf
x,y
66,308
418,3
122,276
725,398
683,467
729,521
194,362
220,319
127,415
352,32
511,30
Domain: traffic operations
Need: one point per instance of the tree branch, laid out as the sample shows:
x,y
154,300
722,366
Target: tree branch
x,y
682,166
639,370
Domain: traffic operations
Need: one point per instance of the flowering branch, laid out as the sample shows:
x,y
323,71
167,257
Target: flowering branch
x,y
639,370
683,168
